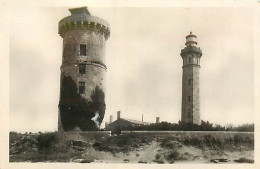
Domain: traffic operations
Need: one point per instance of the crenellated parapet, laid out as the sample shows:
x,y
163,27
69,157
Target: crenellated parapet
x,y
81,19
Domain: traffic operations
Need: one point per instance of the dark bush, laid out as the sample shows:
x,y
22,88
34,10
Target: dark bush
x,y
157,156
47,141
87,161
14,136
204,126
244,160
76,111
173,155
141,161
96,144
243,128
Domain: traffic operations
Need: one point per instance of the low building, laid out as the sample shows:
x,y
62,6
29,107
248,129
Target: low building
x,y
124,124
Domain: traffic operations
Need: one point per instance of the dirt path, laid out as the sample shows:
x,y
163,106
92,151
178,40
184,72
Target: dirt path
x,y
143,154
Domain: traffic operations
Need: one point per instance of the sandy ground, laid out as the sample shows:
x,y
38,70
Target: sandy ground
x,y
182,147
147,154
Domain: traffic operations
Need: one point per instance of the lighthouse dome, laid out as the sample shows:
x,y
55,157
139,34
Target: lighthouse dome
x,y
191,40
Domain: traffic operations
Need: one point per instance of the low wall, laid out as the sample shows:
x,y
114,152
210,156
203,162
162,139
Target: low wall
x,y
88,132
86,135
189,133
179,132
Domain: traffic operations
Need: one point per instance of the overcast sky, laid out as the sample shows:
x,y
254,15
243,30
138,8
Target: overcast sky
x,y
144,64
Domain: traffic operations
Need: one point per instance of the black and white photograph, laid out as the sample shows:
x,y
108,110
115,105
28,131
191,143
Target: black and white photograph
x,y
131,83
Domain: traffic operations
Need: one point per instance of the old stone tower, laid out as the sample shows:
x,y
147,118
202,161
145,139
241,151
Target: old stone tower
x,y
82,87
191,55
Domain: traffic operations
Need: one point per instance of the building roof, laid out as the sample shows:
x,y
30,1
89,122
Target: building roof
x,y
136,122
191,35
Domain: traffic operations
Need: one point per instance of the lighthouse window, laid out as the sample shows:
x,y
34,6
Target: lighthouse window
x,y
81,87
83,50
189,59
82,68
190,81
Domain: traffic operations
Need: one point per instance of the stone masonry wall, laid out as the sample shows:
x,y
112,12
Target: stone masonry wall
x,y
196,96
186,92
95,73
190,89
95,61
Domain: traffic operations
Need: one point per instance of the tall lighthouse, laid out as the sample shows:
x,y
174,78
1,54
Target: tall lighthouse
x,y
191,55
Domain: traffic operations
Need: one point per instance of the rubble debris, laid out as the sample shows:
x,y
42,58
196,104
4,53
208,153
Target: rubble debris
x,y
219,160
82,161
79,143
26,143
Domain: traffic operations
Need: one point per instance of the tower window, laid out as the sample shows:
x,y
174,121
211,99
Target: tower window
x,y
189,98
82,68
190,81
189,59
83,50
195,60
81,87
